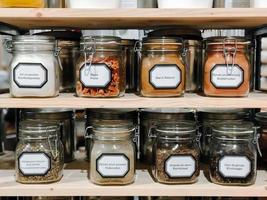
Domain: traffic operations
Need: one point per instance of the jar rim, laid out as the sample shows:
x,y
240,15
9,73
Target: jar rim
x,y
233,130
224,40
217,114
261,116
112,126
162,41
38,129
171,130
33,39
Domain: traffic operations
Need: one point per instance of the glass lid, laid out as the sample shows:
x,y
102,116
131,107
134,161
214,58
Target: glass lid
x,y
183,129
233,130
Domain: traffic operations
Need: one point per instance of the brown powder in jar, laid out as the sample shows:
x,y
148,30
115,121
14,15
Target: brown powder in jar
x,y
115,86
148,62
217,57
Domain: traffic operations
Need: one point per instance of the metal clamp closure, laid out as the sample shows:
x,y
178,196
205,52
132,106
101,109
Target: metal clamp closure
x,y
8,44
229,54
255,140
89,50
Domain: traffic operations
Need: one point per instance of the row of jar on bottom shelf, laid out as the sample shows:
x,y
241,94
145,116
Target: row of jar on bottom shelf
x,y
176,153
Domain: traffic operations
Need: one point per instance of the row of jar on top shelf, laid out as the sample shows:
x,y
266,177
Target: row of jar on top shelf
x,y
166,63
135,3
169,144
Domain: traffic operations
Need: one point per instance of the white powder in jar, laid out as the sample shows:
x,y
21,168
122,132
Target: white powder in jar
x,y
34,75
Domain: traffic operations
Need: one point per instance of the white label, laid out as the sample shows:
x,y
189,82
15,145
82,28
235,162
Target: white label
x,y
113,165
34,164
180,166
95,76
223,77
165,76
30,75
234,166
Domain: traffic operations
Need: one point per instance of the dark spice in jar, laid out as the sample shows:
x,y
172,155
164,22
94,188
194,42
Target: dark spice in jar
x,y
217,176
163,154
233,154
176,153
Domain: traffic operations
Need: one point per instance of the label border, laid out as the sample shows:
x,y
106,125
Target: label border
x,y
94,87
165,88
177,177
228,177
214,85
28,86
112,154
26,152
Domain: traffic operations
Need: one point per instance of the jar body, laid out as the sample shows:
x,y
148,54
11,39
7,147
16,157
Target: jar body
x,y
104,78
170,158
162,74
23,4
130,65
232,4
117,116
233,162
151,118
119,154
261,120
206,131
227,74
48,160
68,56
193,64
34,74
67,126
93,4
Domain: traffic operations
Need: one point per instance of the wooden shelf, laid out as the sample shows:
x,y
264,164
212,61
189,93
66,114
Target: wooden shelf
x,y
133,18
75,183
255,100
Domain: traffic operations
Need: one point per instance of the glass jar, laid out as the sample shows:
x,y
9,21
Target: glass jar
x,y
176,153
23,4
100,70
227,68
68,56
192,54
162,71
131,65
112,154
233,154
39,153
150,118
208,117
34,67
261,119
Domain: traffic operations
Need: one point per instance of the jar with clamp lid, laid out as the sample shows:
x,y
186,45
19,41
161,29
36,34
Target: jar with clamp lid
x,y
100,70
176,153
162,71
39,153
112,160
233,153
34,67
227,68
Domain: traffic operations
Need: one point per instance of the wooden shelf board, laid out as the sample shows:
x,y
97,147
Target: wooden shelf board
x,y
133,18
254,100
75,183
